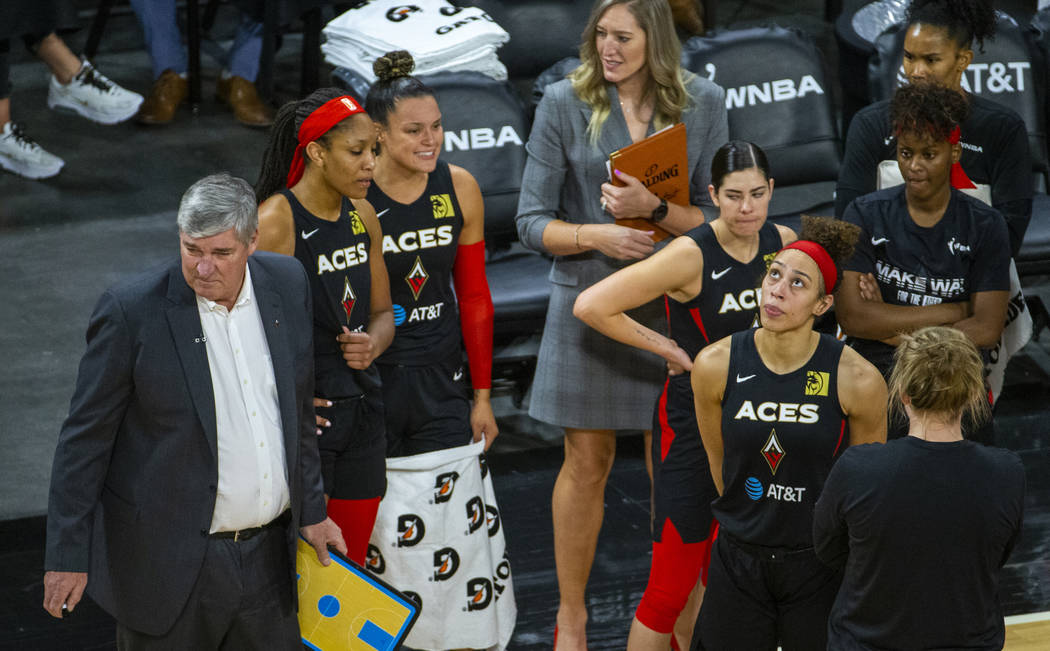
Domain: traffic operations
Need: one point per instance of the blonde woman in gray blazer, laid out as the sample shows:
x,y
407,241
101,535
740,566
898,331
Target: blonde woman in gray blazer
x,y
628,85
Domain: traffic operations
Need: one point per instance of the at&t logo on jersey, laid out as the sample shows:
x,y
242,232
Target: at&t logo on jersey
x,y
341,259
779,412
416,278
755,491
446,562
773,452
442,206
374,560
817,383
349,298
444,485
424,238
410,530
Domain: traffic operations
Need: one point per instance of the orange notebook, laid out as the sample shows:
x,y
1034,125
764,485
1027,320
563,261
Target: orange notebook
x,y
661,163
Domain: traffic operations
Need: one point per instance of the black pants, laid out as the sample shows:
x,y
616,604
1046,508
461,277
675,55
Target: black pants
x,y
353,449
242,600
427,407
756,601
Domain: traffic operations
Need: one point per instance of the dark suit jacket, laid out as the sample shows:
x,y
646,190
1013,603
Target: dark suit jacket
x,y
134,479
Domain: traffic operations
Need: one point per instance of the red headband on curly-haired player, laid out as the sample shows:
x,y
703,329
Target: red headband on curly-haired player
x,y
819,255
316,125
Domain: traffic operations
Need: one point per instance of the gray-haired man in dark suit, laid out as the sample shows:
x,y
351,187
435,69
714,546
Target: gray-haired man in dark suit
x,y
188,462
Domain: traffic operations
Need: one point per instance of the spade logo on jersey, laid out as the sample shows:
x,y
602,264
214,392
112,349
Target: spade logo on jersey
x,y
446,562
443,486
410,530
416,278
475,514
374,560
357,227
442,205
479,594
773,452
817,383
349,298
401,12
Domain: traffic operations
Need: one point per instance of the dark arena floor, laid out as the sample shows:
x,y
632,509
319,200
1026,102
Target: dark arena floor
x,y
111,212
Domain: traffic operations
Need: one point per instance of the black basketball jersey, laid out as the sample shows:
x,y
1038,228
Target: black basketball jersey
x,y
335,255
781,434
967,251
419,245
729,297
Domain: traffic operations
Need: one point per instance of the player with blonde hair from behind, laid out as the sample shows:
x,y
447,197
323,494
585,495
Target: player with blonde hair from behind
x,y
924,523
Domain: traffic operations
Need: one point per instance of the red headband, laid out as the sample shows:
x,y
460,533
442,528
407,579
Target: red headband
x,y
316,125
819,255
959,179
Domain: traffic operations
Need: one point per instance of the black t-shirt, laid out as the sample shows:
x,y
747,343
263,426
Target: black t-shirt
x,y
420,241
335,256
729,295
994,153
964,253
923,529
780,435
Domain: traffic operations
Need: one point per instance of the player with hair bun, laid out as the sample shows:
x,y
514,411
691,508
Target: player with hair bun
x,y
923,524
433,217
776,405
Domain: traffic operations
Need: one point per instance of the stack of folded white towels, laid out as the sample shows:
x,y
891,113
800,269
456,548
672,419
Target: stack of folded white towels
x,y
440,36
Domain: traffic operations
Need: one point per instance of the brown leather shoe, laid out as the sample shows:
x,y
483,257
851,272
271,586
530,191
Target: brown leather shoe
x,y
244,101
168,91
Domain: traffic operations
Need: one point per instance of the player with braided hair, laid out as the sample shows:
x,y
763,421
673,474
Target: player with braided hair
x,y
776,406
315,173
938,46
928,254
919,573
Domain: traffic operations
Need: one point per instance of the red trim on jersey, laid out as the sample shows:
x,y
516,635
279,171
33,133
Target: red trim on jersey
x,y
666,433
842,432
695,312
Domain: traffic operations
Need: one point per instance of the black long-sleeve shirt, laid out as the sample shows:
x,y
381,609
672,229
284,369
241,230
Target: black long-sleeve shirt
x,y
923,529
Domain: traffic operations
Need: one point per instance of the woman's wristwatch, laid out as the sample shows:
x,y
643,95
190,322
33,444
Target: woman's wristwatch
x,y
659,212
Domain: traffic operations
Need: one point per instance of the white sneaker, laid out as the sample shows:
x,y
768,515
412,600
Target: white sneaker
x,y
24,157
93,96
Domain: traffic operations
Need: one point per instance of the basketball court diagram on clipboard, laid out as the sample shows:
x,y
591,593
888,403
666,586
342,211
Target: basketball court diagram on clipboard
x,y
343,606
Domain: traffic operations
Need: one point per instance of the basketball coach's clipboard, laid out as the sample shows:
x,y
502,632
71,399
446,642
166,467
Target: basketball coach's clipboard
x,y
342,606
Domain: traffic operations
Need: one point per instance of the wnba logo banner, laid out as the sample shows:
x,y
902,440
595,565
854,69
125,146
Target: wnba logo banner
x,y
439,538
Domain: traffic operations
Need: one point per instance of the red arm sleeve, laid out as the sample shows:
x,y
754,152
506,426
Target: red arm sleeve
x,y
475,311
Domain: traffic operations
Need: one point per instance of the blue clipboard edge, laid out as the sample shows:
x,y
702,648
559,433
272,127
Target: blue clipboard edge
x,y
383,586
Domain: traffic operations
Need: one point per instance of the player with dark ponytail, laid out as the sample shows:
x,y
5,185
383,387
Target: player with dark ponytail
x,y
938,46
434,224
315,173
776,405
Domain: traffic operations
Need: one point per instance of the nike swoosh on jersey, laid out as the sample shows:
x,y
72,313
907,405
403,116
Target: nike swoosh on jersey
x,y
307,236
382,212
743,379
715,275
881,240
457,376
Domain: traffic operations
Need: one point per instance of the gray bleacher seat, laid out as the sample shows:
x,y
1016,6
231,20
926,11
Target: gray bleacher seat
x,y
782,105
